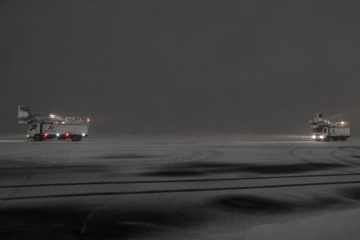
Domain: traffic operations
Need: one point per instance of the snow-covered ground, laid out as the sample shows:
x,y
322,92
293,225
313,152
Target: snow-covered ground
x,y
174,188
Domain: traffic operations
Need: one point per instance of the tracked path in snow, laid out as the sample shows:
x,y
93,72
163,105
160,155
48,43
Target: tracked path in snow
x,y
180,190
221,163
177,181
329,156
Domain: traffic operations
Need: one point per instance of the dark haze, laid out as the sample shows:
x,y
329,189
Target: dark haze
x,y
182,67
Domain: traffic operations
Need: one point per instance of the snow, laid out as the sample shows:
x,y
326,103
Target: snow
x,y
179,188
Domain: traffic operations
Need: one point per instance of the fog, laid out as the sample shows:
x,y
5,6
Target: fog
x,y
182,67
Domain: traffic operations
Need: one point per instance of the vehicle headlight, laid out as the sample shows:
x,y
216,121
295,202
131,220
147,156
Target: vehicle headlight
x,y
313,136
321,137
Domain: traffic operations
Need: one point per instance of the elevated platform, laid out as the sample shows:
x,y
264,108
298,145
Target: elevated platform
x,y
326,123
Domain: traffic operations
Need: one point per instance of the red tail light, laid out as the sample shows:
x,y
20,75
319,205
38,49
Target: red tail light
x,y
45,134
67,135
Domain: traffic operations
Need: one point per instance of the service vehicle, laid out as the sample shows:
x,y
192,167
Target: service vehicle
x,y
50,126
324,130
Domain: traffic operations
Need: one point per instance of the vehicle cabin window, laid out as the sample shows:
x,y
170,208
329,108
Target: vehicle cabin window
x,y
320,115
33,127
324,130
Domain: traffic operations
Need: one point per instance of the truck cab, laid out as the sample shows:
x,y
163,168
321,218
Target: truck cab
x,y
35,132
320,133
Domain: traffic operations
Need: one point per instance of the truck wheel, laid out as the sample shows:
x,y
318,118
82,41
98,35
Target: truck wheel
x,y
75,138
37,138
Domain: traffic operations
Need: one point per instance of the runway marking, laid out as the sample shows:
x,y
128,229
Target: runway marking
x,y
176,190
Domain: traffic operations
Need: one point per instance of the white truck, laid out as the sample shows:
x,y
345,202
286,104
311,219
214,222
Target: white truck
x,y
51,126
324,130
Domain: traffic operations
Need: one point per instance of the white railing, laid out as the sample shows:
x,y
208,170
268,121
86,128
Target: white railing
x,y
339,124
76,120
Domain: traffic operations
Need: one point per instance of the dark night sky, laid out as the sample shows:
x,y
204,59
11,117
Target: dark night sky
x,y
182,67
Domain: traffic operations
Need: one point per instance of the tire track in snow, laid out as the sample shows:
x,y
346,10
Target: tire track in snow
x,y
301,158
350,163
333,156
27,177
318,165
191,155
176,181
164,191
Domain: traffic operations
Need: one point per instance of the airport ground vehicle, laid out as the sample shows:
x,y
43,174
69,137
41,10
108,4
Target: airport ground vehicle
x,y
49,126
324,130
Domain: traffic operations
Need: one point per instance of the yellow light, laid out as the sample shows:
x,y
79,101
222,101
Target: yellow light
x,y
342,123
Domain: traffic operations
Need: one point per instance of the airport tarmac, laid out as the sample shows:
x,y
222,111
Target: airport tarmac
x,y
174,188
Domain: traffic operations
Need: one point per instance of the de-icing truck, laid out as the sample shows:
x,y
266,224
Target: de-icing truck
x,y
51,126
324,130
